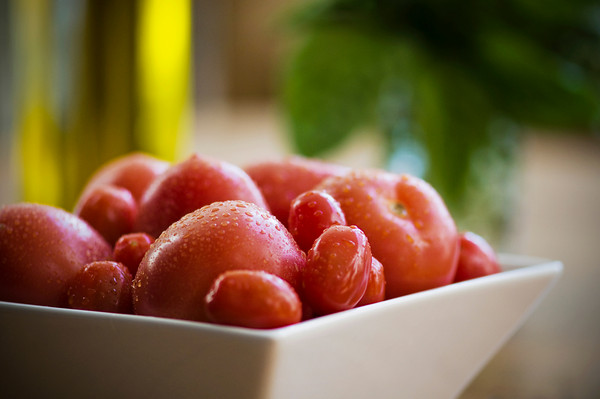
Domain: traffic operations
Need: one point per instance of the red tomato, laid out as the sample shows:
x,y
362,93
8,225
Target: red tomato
x,y
131,248
190,185
376,286
281,181
337,270
477,258
41,249
103,286
408,225
252,298
133,171
111,210
179,268
310,214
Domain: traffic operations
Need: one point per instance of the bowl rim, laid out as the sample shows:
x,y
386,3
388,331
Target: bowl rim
x,y
512,266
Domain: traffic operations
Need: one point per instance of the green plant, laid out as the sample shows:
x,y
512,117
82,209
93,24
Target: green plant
x,y
450,81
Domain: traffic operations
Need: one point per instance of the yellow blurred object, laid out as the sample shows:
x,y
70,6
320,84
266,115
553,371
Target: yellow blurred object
x,y
97,79
163,59
39,150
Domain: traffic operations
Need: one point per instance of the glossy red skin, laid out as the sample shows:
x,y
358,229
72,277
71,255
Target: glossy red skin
x,y
252,298
41,249
134,171
477,258
337,270
190,185
179,268
103,286
281,181
310,214
417,245
375,291
130,250
111,210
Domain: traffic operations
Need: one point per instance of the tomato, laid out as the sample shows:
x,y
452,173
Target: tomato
x,y
190,185
477,258
310,214
41,249
111,210
337,270
375,291
252,298
103,286
133,172
408,225
179,268
281,181
131,248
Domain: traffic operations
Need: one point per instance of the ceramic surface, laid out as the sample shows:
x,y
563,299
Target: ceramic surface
x,y
426,345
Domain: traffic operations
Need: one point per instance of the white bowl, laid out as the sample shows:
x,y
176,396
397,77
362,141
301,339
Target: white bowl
x,y
425,345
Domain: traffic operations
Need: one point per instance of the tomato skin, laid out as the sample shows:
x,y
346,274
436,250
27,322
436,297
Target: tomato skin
x,y
375,291
131,248
310,214
41,249
133,171
477,258
337,270
103,286
280,181
252,298
410,230
111,210
190,185
179,268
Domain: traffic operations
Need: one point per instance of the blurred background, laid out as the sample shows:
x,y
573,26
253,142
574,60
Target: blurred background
x,y
496,103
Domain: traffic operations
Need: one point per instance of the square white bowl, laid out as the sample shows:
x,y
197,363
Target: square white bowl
x,y
425,345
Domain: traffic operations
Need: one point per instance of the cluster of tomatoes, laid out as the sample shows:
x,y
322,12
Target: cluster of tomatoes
x,y
265,246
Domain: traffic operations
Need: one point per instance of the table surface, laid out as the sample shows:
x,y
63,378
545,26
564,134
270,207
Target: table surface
x,y
556,354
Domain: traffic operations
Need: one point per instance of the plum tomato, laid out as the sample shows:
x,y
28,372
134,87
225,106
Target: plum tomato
x,y
130,250
281,181
310,214
337,270
103,286
134,171
179,268
190,185
41,249
408,225
252,298
111,210
477,258
375,286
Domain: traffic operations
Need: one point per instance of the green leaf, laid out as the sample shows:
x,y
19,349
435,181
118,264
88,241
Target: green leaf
x,y
452,116
535,87
331,88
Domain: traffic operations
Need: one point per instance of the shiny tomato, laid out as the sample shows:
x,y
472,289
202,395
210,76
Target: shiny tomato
x,y
179,268
190,185
408,225
376,285
310,214
41,249
252,298
134,171
111,210
337,270
103,286
131,248
281,181
477,258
